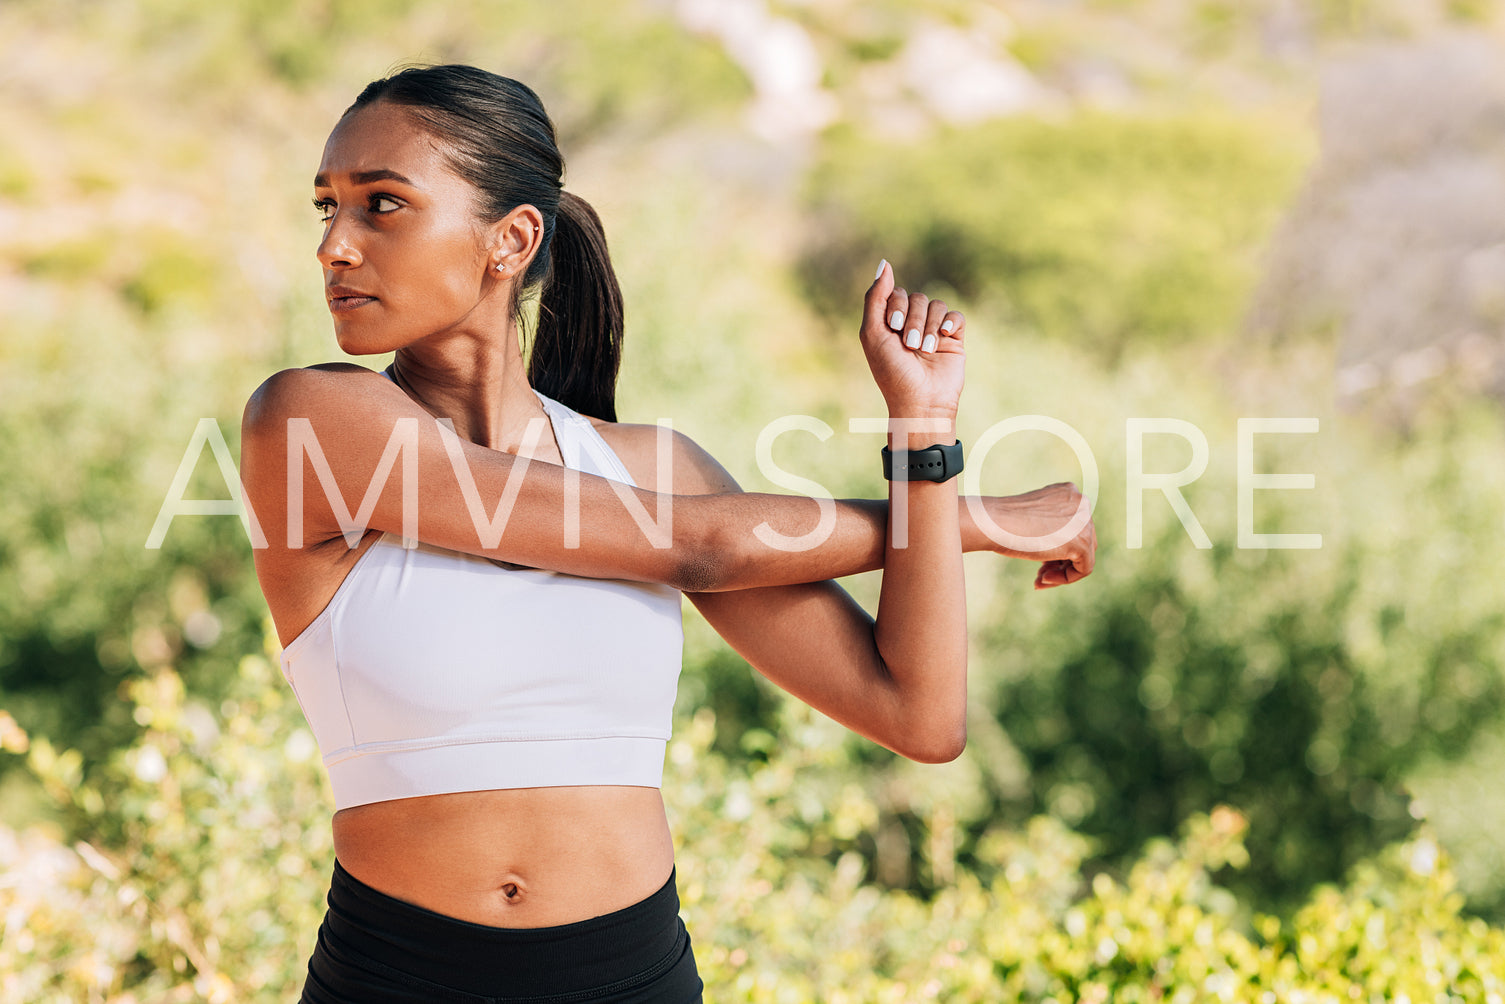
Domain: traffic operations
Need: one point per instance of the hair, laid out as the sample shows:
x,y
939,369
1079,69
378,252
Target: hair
x,y
500,139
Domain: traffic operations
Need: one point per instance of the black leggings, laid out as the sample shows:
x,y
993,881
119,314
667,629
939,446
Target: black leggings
x,y
374,949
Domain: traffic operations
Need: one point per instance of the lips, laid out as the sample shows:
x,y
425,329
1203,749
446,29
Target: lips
x,y
343,298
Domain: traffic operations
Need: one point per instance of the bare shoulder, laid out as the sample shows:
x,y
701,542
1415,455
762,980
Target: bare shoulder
x,y
693,471
349,410
342,401
294,392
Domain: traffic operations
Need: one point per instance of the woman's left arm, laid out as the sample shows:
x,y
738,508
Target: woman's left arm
x,y
899,680
816,642
812,639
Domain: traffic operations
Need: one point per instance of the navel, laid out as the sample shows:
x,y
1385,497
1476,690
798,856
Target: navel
x,y
512,889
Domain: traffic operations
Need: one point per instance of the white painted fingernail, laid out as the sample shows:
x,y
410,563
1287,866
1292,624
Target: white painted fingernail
x,y
912,339
896,320
930,343
881,265
946,326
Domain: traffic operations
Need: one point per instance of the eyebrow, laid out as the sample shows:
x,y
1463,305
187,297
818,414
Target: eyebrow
x,y
366,178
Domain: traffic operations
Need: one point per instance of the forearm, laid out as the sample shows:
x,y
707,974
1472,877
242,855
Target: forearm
x,y
858,541
921,627
901,679
863,543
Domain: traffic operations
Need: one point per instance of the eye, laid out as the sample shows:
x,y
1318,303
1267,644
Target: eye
x,y
377,202
325,208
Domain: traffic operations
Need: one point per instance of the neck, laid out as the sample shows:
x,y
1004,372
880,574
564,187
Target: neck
x,y
478,383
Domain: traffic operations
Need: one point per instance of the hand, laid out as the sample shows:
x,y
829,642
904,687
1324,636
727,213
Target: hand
x,y
1041,514
913,346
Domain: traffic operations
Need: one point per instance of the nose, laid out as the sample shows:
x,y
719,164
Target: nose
x,y
336,250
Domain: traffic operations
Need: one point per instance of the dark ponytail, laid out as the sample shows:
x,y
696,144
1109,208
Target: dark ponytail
x,y
577,348
500,139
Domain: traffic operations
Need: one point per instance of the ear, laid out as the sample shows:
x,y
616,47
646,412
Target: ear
x,y
514,240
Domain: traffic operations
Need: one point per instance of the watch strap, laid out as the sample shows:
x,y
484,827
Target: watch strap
x,y
934,463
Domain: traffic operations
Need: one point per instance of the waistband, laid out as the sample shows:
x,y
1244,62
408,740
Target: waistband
x,y
625,945
376,772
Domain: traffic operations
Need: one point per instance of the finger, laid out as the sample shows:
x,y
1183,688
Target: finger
x,y
954,324
1083,563
1051,574
1089,557
1079,566
914,320
935,313
897,309
874,304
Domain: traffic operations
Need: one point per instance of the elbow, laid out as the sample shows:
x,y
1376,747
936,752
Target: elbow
x,y
698,573
704,563
942,747
928,723
935,737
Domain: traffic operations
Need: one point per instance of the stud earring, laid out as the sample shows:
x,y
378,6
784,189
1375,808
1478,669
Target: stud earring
x,y
501,266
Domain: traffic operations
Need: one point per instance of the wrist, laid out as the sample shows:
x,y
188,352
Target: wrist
x,y
901,411
916,431
973,539
921,440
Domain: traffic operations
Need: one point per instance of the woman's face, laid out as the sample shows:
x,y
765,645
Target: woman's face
x,y
403,254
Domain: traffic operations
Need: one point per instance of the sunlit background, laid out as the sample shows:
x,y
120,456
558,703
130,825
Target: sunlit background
x,y
1219,772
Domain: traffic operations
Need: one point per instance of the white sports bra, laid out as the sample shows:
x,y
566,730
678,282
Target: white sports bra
x,y
434,671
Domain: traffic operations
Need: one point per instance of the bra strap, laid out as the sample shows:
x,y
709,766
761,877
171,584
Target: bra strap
x,y
577,437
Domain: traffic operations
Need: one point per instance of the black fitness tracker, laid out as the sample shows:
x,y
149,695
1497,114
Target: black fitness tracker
x,y
934,463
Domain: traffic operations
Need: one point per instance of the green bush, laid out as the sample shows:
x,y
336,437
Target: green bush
x,y
1306,687
206,851
200,859
1105,231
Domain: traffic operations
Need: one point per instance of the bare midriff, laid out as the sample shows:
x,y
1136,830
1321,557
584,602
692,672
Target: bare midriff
x,y
519,857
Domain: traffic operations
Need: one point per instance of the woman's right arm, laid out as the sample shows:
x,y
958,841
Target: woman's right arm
x,y
339,423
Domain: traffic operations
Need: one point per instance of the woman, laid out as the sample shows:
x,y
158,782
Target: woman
x,y
493,702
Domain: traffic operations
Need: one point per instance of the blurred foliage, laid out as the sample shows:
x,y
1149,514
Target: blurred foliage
x,y
1307,687
1105,230
1166,700
208,851
203,856
155,265
1310,688
90,438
